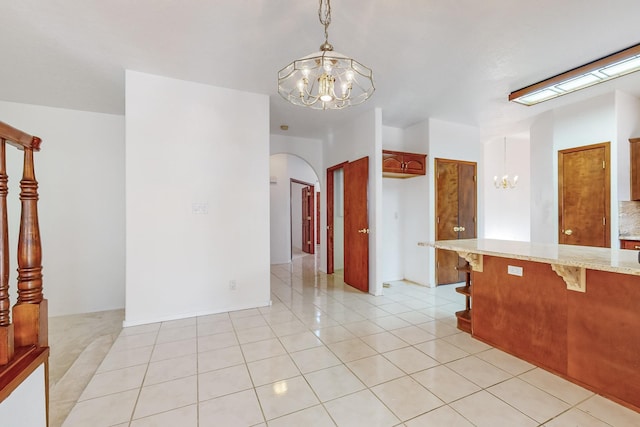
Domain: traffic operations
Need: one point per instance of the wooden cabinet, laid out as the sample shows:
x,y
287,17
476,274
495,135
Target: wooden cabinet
x,y
630,244
398,164
634,146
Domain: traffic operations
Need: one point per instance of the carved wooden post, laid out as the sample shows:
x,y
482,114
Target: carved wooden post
x,y
30,311
6,328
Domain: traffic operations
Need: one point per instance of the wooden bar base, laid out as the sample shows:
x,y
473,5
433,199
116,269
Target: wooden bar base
x,y
6,344
31,324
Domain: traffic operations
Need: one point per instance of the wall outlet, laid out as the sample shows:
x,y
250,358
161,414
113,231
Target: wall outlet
x,y
514,271
232,285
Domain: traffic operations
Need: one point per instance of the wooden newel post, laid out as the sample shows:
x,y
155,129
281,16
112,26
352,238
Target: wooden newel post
x,y
6,327
30,311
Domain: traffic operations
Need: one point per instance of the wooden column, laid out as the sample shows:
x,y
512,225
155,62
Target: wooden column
x,y
6,327
30,311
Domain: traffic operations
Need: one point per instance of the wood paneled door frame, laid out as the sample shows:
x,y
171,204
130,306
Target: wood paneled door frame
x,y
456,213
584,195
356,225
308,243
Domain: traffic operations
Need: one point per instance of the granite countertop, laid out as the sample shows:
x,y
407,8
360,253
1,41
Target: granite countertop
x,y
604,259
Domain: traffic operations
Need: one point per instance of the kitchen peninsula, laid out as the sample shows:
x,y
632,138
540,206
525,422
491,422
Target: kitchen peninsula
x,y
572,310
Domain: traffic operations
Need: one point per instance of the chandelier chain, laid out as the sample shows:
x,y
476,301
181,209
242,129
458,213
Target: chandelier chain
x,y
324,14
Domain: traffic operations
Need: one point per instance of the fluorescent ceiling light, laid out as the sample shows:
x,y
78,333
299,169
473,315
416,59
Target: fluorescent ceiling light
x,y
615,65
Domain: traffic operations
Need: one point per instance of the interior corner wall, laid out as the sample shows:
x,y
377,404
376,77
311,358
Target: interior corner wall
x,y
80,171
353,140
459,142
197,199
507,211
544,215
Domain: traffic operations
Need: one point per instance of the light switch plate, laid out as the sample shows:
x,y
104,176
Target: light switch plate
x,y
514,271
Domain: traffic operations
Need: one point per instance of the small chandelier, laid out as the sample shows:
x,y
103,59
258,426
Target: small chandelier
x,y
505,182
325,80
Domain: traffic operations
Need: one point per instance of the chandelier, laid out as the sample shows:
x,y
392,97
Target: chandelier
x,y
325,80
505,182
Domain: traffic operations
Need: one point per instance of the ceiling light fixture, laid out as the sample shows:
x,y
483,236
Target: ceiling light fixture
x,y
505,182
325,80
615,65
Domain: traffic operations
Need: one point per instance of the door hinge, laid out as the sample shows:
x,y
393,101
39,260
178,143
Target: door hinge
x,y
474,178
604,221
603,165
438,220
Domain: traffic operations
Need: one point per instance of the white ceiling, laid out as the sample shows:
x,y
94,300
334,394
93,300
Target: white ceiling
x,y
455,60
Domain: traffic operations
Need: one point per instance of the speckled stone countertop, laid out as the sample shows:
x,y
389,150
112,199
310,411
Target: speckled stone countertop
x,y
629,220
604,259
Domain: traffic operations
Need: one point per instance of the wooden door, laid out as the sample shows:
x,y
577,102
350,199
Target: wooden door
x,y
456,196
330,214
318,218
584,196
356,224
308,213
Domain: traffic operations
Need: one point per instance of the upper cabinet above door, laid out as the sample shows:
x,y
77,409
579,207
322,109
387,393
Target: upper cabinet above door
x,y
398,164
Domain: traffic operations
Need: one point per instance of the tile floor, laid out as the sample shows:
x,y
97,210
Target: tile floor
x,y
324,355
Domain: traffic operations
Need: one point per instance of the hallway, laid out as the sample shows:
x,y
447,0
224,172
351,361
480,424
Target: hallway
x,y
323,355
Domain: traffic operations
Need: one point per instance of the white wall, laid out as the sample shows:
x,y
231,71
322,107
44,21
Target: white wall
x,y
507,211
194,148
80,170
359,138
544,219
452,141
627,110
26,406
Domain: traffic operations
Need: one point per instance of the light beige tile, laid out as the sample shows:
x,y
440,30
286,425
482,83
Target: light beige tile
x,y
285,397
213,318
361,409
441,350
171,350
610,412
443,416
248,322
410,360
166,396
211,328
176,334
223,381
244,313
140,329
237,409
183,417
505,361
221,358
391,323
262,349
556,386
575,417
334,382
314,359
171,369
464,341
383,342
352,349
363,328
483,409
438,328
103,411
114,382
178,323
289,328
124,359
254,334
316,416
273,369
300,341
374,370
478,371
333,334
413,334
282,316
395,308
406,397
529,400
415,317
128,342
445,383
216,341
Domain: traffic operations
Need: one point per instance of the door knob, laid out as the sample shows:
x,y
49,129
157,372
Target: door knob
x,y
457,229
364,230
568,232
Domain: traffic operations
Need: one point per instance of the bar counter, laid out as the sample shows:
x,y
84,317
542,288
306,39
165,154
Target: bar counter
x,y
572,310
